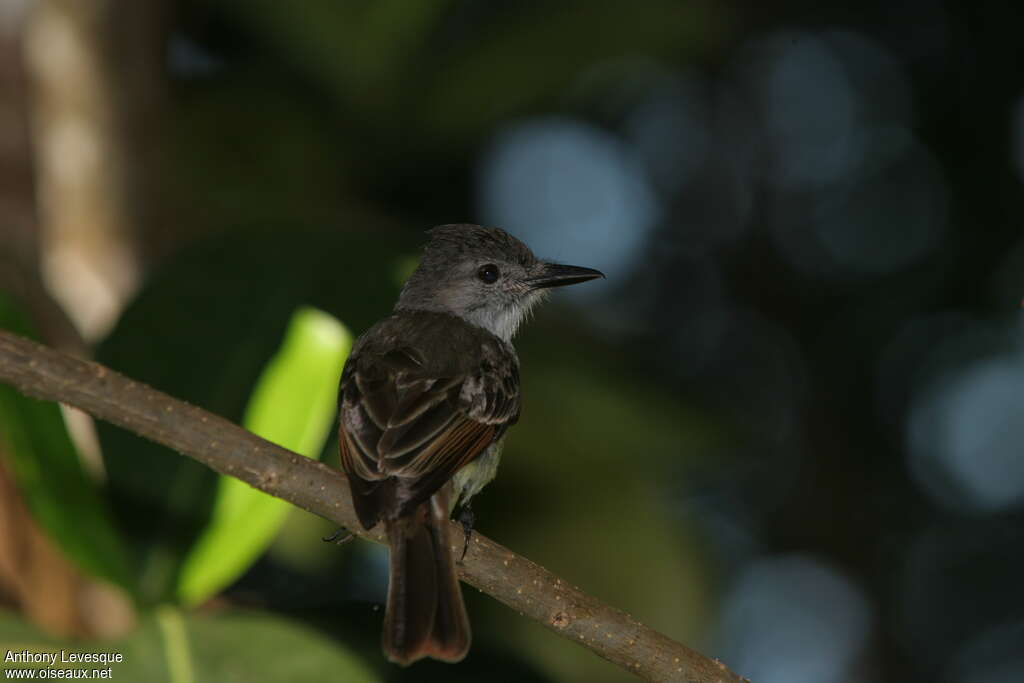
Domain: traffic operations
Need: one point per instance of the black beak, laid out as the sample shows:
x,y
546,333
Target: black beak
x,y
557,275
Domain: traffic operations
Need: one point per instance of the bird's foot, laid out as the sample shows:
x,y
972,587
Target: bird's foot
x,y
339,537
467,519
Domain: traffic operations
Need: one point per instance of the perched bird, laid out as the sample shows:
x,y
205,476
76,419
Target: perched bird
x,y
425,399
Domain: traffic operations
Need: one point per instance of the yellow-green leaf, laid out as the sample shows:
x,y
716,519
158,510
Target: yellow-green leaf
x,y
293,405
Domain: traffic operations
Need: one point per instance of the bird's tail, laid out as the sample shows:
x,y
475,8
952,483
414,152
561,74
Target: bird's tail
x,y
425,616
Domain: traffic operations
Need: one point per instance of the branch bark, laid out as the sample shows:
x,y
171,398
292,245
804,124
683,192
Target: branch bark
x,y
519,583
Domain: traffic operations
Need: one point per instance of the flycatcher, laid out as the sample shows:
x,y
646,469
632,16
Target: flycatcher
x,y
425,399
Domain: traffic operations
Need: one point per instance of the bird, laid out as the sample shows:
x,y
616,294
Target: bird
x,y
425,399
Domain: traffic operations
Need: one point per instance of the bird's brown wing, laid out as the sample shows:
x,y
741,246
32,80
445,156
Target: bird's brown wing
x,y
405,431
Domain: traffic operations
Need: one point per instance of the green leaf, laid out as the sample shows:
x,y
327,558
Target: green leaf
x,y
246,647
58,492
293,406
201,329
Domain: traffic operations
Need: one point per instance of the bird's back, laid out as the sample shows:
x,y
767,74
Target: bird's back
x,y
422,395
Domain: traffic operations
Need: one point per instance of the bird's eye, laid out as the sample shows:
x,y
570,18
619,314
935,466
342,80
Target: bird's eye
x,y
488,273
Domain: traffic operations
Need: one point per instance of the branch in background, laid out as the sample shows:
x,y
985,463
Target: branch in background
x,y
95,69
524,586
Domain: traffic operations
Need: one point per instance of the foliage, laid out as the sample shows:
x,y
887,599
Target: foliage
x,y
61,496
293,406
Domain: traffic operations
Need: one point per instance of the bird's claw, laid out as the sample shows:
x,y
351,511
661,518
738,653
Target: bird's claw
x,y
339,537
467,519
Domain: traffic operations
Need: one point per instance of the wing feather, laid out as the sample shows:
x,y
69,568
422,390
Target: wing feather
x,y
409,437
406,427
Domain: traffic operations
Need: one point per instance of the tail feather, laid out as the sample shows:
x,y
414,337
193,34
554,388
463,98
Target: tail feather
x,y
425,615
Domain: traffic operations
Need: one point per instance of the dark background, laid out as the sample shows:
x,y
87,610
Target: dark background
x,y
788,427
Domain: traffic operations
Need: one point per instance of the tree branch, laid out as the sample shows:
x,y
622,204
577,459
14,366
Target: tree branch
x,y
521,584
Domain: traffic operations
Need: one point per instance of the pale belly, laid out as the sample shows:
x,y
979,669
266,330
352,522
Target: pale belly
x,y
468,481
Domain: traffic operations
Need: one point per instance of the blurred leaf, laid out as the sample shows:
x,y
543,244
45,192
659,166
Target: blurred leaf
x,y
293,405
294,402
227,648
253,647
403,72
518,59
359,50
60,495
412,84
202,330
297,172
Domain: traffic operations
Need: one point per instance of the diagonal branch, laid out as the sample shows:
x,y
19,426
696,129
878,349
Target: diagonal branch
x,y
524,586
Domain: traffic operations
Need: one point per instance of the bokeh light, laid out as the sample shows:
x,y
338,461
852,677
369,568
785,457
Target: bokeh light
x,y
793,619
965,436
572,191
671,128
809,109
853,193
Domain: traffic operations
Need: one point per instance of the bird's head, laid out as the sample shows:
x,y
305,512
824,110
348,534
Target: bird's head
x,y
484,276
